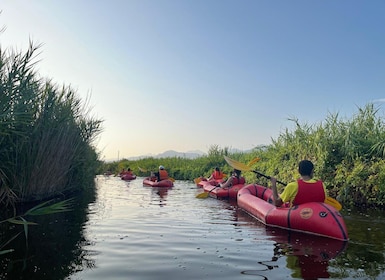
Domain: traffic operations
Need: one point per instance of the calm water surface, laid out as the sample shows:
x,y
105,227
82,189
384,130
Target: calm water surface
x,y
131,231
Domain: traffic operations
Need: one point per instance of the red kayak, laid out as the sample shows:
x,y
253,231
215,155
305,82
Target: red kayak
x,y
128,177
213,182
222,193
163,183
315,218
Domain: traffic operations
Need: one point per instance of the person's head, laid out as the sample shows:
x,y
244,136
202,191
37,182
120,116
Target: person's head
x,y
237,172
217,169
161,167
128,169
305,168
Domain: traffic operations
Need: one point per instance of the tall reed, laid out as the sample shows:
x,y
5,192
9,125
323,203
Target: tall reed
x,y
348,155
46,144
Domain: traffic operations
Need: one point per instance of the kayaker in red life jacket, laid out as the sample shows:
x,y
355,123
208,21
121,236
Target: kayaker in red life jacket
x,y
162,174
305,189
216,175
129,171
234,179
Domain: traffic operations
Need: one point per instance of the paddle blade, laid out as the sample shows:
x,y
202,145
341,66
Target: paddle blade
x,y
237,165
333,202
142,170
202,195
253,161
197,180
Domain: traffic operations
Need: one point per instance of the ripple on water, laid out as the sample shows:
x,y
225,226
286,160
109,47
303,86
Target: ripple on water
x,y
140,232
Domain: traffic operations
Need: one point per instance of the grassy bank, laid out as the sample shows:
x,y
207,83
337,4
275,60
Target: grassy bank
x,y
348,155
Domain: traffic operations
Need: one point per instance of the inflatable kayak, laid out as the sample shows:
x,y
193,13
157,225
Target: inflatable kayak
x,y
163,183
315,218
213,182
221,193
128,177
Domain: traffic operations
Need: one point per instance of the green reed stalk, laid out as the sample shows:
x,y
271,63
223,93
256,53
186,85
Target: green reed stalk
x,y
46,145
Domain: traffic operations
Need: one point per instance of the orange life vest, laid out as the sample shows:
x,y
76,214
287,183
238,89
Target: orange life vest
x,y
309,192
217,175
163,174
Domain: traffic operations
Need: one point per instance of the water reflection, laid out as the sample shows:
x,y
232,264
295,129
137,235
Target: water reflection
x,y
159,194
125,231
307,256
54,248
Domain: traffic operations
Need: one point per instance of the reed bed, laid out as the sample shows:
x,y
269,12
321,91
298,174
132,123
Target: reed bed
x,y
47,133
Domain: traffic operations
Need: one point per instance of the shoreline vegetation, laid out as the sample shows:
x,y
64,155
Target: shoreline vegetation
x,y
349,156
47,134
46,144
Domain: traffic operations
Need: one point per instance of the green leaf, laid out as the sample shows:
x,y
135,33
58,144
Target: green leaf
x,y
6,251
58,207
20,222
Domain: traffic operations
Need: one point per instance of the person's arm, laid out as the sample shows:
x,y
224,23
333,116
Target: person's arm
x,y
276,199
228,183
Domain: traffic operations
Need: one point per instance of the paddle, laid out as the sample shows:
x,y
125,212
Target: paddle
x,y
145,170
254,160
197,180
243,167
206,194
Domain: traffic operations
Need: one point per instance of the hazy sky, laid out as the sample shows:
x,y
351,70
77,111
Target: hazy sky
x,y
186,75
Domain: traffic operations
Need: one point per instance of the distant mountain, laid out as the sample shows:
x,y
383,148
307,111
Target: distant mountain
x,y
171,153
189,154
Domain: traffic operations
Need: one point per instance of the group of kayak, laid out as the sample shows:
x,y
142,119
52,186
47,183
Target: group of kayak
x,y
310,212
317,215
156,179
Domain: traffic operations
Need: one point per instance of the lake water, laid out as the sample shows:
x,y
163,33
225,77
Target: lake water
x,y
131,231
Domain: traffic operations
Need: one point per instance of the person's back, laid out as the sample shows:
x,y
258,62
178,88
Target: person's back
x,y
309,191
305,189
216,176
235,179
162,174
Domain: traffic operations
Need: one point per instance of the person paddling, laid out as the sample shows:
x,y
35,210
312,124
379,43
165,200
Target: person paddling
x,y
305,189
162,174
216,175
235,179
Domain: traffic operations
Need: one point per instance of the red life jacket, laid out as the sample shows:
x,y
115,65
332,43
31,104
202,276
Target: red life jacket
x,y
237,181
163,174
309,192
217,175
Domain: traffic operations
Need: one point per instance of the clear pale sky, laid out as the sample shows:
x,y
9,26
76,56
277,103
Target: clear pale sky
x,y
185,75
